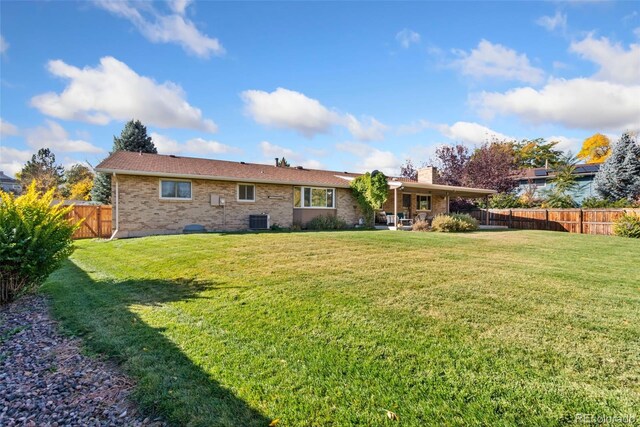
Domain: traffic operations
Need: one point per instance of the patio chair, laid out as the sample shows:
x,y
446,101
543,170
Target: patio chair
x,y
422,216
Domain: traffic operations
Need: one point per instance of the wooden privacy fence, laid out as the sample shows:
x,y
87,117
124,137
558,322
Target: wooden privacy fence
x,y
97,221
587,221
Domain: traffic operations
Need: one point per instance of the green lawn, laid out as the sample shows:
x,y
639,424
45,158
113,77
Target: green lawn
x,y
335,328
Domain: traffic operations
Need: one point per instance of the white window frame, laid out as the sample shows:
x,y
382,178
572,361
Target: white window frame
x,y
174,180
302,187
238,199
430,202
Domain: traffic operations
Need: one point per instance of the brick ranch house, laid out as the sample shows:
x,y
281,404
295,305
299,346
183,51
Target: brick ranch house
x,y
161,194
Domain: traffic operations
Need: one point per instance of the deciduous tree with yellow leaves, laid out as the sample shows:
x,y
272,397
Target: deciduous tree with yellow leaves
x,y
595,149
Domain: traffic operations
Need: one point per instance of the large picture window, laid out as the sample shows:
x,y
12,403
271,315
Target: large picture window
x,y
311,197
180,190
424,202
246,193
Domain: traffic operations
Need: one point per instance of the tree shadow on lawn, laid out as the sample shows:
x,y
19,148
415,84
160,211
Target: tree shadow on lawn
x,y
167,381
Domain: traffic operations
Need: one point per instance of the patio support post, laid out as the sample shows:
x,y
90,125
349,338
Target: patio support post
x,y
448,206
395,207
486,200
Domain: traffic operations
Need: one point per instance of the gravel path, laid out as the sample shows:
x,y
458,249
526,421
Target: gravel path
x,y
45,381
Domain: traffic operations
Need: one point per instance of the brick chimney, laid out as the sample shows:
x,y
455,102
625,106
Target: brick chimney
x,y
428,175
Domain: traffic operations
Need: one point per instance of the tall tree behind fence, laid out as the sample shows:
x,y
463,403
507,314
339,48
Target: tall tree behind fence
x,y
586,221
97,221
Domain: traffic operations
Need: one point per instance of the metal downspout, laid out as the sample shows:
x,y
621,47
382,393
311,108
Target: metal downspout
x,y
117,205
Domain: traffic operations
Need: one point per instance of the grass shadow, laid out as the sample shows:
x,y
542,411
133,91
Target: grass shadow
x,y
167,381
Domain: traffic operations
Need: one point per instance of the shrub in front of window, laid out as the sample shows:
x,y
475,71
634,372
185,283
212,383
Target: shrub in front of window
x,y
454,223
628,225
35,237
326,222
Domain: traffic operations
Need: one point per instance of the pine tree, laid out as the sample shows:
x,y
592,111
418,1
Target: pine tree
x,y
132,138
101,190
43,169
619,176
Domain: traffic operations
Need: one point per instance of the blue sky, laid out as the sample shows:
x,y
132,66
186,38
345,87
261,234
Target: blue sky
x,y
339,85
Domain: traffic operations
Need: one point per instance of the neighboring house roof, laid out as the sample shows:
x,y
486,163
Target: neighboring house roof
x,y
7,179
582,169
131,163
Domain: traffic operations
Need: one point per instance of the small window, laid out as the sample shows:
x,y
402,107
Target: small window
x,y
246,193
424,202
175,189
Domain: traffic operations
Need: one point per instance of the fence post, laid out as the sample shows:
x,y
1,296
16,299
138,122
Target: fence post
x,y
580,222
99,219
546,219
510,217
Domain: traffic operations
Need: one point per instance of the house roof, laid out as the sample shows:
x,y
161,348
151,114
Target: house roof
x,y
131,163
8,179
582,169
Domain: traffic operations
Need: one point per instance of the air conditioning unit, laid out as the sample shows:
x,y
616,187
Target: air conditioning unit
x,y
259,222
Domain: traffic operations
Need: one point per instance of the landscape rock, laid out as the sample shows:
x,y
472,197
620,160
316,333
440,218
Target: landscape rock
x,y
46,381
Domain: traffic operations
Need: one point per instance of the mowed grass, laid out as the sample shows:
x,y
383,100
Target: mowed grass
x,y
336,328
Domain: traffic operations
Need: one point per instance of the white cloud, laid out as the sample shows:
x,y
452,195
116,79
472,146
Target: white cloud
x,y
557,21
179,6
271,151
3,45
617,64
170,28
369,159
54,136
113,91
407,37
203,146
288,109
198,146
607,101
373,131
465,132
577,103
566,144
12,160
7,129
497,61
470,133
415,127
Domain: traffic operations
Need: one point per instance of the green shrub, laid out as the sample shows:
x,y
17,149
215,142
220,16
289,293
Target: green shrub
x,y
34,238
628,225
420,226
326,222
594,202
454,223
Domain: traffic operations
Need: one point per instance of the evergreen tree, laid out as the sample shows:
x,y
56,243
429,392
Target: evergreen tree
x,y
282,163
43,169
101,190
619,176
132,138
